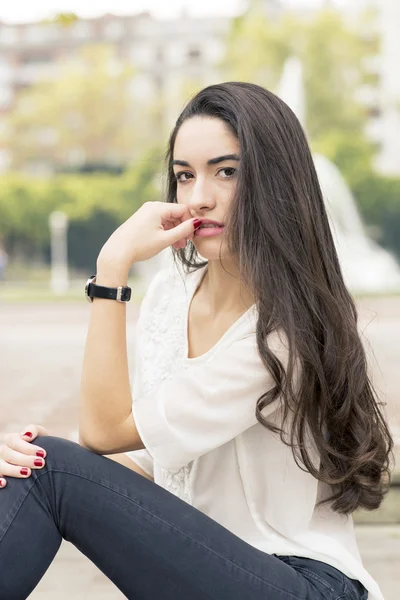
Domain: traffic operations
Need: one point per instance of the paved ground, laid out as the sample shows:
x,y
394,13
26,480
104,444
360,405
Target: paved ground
x,y
41,351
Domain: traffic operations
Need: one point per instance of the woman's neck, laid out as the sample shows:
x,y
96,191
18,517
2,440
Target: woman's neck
x,y
222,291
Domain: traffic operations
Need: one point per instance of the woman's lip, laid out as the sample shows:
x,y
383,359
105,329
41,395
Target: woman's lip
x,y
205,222
208,231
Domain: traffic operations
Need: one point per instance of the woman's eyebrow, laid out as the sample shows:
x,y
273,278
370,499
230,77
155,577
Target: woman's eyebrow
x,y
212,161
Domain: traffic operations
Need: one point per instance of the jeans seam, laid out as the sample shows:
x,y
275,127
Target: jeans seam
x,y
289,594
318,578
343,595
17,511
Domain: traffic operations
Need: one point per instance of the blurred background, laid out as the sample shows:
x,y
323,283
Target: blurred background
x,y
87,102
88,97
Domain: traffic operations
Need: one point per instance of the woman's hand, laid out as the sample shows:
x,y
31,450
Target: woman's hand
x,y
18,455
152,228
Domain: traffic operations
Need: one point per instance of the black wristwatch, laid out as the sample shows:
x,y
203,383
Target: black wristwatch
x,y
120,294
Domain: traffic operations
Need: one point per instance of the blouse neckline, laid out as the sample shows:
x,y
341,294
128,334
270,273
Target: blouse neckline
x,y
198,277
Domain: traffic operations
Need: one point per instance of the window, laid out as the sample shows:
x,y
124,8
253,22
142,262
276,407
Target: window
x,y
194,54
34,57
47,136
82,30
160,54
175,53
36,34
374,112
5,159
142,87
5,71
8,35
142,54
114,29
6,97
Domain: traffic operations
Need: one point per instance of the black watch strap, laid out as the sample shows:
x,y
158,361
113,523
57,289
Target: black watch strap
x,y
92,290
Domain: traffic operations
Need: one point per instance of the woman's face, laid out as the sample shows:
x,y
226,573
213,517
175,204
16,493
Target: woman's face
x,y
205,163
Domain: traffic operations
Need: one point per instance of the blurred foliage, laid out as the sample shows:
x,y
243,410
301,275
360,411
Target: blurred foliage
x,y
95,204
379,202
95,119
63,19
335,62
85,114
333,58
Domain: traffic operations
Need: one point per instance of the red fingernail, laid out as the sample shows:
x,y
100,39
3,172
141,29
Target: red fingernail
x,y
2,482
29,434
196,223
24,471
38,462
40,453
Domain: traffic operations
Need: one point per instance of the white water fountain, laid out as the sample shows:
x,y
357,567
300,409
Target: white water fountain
x,y
366,266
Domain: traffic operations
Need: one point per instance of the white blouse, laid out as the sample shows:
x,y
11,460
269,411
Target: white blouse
x,y
196,417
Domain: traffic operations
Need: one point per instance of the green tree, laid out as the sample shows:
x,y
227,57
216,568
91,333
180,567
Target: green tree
x,y
63,19
86,114
94,203
333,57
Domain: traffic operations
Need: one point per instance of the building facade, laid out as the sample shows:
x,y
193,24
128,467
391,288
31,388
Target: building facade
x,y
382,95
164,54
167,53
389,89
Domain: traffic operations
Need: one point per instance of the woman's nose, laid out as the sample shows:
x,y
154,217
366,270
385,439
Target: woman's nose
x,y
201,197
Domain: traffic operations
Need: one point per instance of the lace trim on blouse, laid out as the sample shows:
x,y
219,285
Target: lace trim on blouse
x,y
162,358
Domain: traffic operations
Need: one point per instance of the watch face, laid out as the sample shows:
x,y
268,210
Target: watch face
x,y
91,279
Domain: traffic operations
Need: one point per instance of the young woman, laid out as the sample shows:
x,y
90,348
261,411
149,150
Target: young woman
x,y
251,406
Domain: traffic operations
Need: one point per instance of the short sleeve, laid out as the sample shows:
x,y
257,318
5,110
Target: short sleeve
x,y
143,459
206,405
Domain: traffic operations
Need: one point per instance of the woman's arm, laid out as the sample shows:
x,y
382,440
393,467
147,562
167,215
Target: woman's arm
x,y
106,424
123,459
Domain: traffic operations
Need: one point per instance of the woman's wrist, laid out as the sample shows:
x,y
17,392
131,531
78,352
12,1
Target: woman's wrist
x,y
111,275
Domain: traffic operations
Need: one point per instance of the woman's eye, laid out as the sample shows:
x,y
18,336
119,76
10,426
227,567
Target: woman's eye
x,y
178,176
231,172
184,176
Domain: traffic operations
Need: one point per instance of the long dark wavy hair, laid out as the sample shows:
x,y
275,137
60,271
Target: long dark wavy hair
x,y
279,232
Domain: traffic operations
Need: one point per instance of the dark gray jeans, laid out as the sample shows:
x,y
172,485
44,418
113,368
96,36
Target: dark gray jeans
x,y
151,544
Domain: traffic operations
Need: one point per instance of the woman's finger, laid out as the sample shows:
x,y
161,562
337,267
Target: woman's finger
x,y
30,432
15,442
180,232
180,245
170,211
18,456
8,470
20,459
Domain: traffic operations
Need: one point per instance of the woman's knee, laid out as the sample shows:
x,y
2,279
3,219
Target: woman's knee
x,y
64,456
59,450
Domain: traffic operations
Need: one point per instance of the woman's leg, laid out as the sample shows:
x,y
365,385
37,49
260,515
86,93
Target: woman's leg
x,y
151,544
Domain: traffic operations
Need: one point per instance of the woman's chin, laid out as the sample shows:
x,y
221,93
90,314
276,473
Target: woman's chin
x,y
209,249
